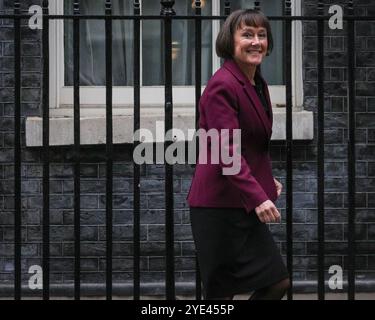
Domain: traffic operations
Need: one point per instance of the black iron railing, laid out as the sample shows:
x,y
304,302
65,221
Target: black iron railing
x,y
167,14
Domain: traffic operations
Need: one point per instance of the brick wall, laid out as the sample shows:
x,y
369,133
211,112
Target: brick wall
x,y
152,178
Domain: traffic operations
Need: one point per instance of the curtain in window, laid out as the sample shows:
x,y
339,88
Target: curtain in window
x,y
183,45
92,45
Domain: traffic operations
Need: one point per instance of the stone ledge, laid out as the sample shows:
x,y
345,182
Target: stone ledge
x,y
93,124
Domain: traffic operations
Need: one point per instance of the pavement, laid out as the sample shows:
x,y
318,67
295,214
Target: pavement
x,y
296,296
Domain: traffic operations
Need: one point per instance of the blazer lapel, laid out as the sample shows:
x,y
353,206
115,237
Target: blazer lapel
x,y
231,65
267,94
253,96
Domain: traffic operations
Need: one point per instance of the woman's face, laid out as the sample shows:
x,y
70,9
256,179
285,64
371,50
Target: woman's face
x,y
250,45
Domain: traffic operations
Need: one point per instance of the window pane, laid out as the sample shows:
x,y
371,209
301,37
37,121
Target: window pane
x,y
92,45
183,45
272,74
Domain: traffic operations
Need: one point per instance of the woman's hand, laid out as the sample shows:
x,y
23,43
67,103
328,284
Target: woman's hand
x,y
267,212
279,187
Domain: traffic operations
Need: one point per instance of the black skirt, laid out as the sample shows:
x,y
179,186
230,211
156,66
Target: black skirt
x,y
236,252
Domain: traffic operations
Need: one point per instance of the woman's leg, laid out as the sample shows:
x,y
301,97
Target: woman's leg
x,y
272,292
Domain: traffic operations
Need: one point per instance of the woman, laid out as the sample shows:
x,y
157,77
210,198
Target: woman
x,y
235,249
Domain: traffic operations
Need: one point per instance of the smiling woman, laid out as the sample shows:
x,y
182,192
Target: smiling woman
x,y
251,46
235,249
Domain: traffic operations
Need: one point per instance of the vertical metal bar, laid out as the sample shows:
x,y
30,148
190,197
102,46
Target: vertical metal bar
x,y
226,8
351,155
17,152
168,11
289,145
77,142
320,168
109,146
136,167
198,85
45,105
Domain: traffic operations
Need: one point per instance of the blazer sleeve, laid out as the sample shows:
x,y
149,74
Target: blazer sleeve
x,y
219,107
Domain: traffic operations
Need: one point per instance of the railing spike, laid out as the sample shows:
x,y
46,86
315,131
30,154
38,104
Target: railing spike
x,y
76,7
16,7
167,8
257,5
320,7
227,8
288,7
108,7
350,7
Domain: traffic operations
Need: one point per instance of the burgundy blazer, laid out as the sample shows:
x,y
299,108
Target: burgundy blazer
x,y
230,101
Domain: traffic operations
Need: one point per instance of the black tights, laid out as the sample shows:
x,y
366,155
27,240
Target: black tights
x,y
273,292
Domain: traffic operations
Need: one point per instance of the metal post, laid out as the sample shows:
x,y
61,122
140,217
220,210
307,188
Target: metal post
x,y
136,167
351,155
168,11
198,84
77,142
289,145
17,152
320,111
109,147
45,106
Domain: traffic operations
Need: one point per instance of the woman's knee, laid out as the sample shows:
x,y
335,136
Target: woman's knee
x,y
283,285
286,283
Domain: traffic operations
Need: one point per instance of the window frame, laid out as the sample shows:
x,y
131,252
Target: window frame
x,y
153,96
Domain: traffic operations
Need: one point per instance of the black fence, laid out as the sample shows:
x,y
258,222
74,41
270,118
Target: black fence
x,y
167,14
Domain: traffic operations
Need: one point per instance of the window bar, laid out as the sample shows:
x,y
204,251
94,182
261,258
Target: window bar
x,y
351,154
257,5
136,167
46,156
226,8
321,239
17,152
168,11
289,145
198,85
109,146
77,142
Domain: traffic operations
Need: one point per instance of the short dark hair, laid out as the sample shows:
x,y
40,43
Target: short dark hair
x,y
248,17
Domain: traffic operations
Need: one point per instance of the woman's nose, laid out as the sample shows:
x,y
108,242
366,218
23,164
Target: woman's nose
x,y
255,40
